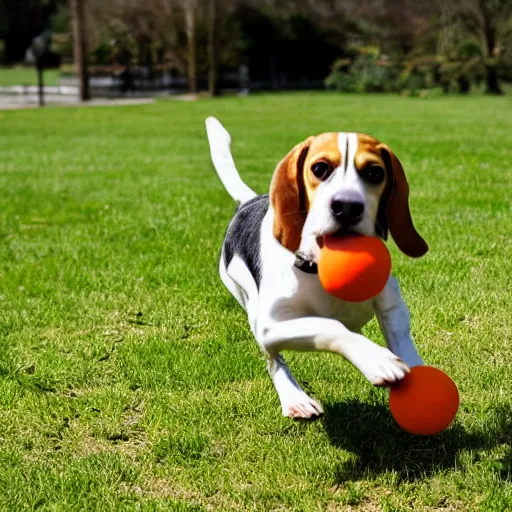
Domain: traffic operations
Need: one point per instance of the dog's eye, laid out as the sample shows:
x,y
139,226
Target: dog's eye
x,y
373,174
321,170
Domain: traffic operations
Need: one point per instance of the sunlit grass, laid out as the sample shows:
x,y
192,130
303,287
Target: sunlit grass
x,y
128,375
26,75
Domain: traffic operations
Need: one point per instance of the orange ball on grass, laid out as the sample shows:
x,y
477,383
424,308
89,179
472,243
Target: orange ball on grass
x,y
425,402
354,268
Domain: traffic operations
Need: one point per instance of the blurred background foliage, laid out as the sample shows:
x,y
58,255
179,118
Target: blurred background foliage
x,y
407,46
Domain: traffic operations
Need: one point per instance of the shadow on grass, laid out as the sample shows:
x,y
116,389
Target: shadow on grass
x,y
370,433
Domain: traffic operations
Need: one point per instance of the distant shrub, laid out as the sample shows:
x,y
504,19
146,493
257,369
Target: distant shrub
x,y
340,78
418,74
102,54
62,44
368,71
456,70
413,82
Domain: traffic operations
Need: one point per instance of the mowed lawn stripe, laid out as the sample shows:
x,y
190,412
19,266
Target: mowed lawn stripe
x,y
128,375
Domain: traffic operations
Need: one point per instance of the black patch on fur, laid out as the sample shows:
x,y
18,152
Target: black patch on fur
x,y
243,235
302,263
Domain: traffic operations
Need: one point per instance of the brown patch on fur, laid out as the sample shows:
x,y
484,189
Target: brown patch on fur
x,y
324,148
394,209
293,186
368,153
288,197
399,219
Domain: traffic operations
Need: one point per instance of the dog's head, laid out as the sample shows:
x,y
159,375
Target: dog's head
x,y
343,182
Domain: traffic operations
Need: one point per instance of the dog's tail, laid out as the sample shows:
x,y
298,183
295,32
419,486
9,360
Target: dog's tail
x,y
220,142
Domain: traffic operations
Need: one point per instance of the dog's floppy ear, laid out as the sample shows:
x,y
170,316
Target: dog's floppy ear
x,y
288,197
395,213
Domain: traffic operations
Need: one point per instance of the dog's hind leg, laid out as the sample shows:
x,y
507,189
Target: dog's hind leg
x,y
233,288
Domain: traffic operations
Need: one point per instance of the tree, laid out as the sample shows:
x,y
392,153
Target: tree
x,y
206,44
190,8
487,22
213,63
76,8
216,17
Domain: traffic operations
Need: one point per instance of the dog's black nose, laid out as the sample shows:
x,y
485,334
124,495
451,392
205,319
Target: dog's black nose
x,y
347,212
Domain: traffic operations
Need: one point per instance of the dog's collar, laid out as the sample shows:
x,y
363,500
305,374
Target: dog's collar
x,y
309,267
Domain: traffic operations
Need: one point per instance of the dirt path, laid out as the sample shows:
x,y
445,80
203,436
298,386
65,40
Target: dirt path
x,y
17,103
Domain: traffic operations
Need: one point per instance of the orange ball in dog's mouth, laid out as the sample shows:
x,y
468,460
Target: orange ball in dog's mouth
x,y
354,268
425,402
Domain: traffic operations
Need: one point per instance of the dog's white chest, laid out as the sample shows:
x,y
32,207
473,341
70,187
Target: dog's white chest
x,y
299,294
354,315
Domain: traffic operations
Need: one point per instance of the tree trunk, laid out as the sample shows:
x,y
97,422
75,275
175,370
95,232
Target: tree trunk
x,y
493,85
80,47
191,28
464,85
213,63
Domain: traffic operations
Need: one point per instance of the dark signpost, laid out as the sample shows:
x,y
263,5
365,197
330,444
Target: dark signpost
x,y
36,54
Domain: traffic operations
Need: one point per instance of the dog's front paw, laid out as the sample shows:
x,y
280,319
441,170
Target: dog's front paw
x,y
301,406
381,367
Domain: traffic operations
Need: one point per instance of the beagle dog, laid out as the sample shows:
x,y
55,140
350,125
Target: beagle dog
x,y
334,182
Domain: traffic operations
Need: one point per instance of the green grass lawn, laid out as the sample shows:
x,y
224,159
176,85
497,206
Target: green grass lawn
x,y
129,378
26,75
